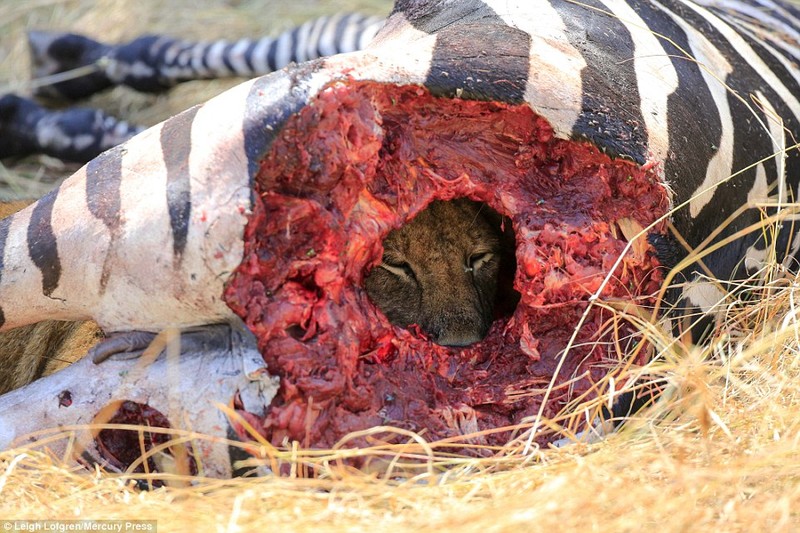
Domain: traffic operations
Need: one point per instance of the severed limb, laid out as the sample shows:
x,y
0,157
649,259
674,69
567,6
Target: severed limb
x,y
184,385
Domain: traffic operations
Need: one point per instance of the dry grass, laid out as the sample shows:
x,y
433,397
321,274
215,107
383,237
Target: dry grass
x,y
719,452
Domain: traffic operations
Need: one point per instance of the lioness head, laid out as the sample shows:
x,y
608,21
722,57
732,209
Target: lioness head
x,y
440,272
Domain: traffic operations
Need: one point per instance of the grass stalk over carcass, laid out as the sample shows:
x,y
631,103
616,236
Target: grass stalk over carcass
x,y
717,450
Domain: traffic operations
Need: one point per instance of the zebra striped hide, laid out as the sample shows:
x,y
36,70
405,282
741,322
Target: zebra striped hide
x,y
149,63
686,95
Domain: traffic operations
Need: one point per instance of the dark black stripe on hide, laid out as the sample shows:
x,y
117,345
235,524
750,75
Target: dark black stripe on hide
x,y
103,182
611,111
206,47
226,58
787,7
431,16
4,225
477,55
248,55
42,247
485,60
237,456
782,51
751,143
272,51
774,64
176,146
765,29
693,142
271,101
294,40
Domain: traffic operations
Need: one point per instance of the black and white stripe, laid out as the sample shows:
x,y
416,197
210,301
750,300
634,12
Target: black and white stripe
x,y
150,63
692,89
154,63
73,134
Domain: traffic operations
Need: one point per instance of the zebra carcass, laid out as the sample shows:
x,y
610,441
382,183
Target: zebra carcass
x,y
267,205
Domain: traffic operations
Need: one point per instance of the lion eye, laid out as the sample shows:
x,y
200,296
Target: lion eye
x,y
476,261
400,269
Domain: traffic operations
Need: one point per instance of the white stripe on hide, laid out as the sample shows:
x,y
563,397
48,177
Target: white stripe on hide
x,y
715,69
655,76
554,89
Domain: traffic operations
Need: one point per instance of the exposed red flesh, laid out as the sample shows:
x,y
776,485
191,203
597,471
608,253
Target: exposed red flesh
x,y
363,159
121,447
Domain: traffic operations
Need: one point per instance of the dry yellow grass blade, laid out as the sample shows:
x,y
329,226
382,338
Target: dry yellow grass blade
x,y
663,476
718,451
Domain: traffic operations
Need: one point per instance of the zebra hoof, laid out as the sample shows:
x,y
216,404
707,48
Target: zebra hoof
x,y
133,344
56,53
124,345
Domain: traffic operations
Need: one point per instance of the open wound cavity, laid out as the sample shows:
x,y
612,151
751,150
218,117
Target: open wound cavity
x,y
364,158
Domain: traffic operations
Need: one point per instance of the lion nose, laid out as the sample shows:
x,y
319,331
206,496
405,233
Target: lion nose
x,y
458,339
455,329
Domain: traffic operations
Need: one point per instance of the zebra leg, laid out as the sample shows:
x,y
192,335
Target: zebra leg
x,y
185,390
74,135
233,338
154,63
54,53
150,64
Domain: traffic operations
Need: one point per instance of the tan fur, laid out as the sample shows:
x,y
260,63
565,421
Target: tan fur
x,y
440,271
9,208
30,352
